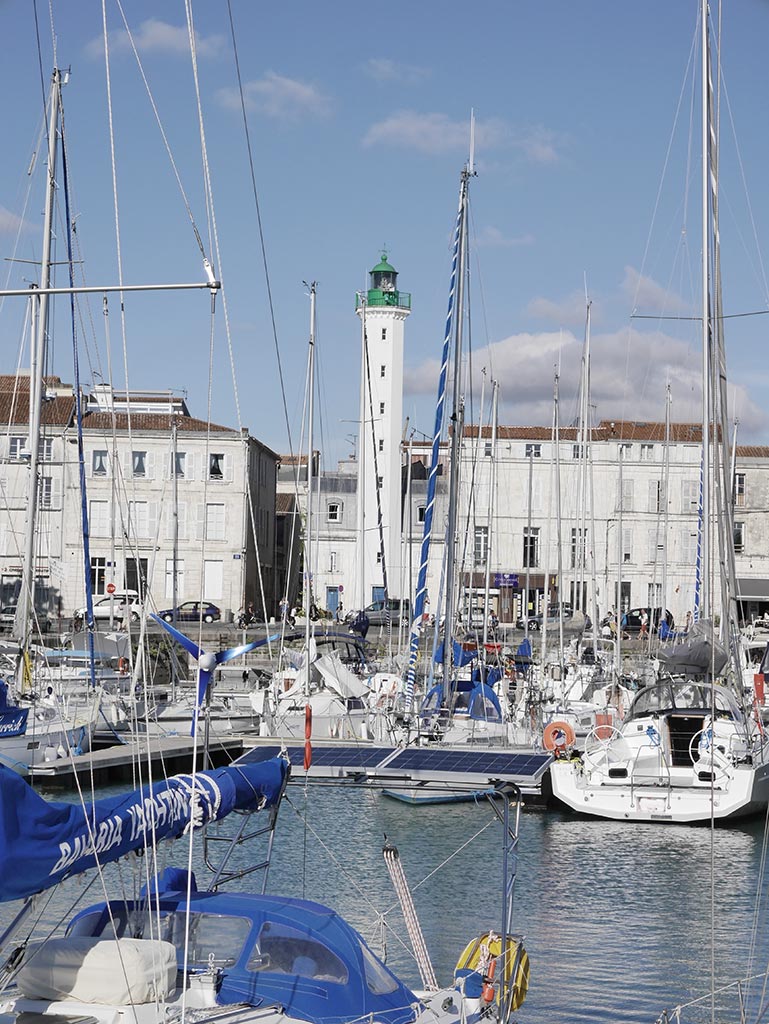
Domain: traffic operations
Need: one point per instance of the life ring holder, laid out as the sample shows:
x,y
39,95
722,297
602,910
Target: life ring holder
x,y
713,758
595,743
558,737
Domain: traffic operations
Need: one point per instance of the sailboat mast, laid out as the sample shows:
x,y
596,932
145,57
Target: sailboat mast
x,y
490,510
421,588
704,531
308,535
37,369
457,420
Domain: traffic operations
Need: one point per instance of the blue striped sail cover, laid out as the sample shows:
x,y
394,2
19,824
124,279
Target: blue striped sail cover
x,y
42,843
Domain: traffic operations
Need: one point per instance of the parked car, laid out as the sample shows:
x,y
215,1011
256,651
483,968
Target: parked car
x,y
192,611
398,609
631,620
8,618
116,604
535,621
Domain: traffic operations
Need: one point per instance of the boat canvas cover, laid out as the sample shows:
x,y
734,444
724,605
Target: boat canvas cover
x,y
698,653
42,843
339,678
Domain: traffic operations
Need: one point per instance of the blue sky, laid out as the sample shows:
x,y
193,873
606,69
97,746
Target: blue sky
x,y
588,169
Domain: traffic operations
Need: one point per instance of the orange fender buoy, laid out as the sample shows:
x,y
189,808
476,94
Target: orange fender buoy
x,y
307,721
307,755
558,736
487,991
122,667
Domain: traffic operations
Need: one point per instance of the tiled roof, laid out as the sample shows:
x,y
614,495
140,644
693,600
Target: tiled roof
x,y
752,451
14,410
285,504
11,382
102,421
607,430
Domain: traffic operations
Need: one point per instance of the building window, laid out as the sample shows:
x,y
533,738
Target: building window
x,y
481,546
381,444
739,538
739,490
138,520
579,451
488,449
179,465
334,512
379,558
627,536
624,451
382,370
216,466
656,496
45,449
690,496
45,492
98,575
139,463
215,521
421,513
332,563
17,447
656,547
534,451
99,463
625,499
98,518
647,454
654,595
530,547
380,482
384,334
381,408
169,591
688,547
577,548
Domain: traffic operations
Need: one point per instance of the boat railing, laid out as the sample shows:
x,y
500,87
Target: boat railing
x,y
660,778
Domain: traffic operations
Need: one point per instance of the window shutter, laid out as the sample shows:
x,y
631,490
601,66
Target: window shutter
x,y
200,521
150,465
153,511
229,466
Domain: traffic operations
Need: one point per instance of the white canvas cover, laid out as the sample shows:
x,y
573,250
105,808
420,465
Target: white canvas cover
x,y
114,971
339,678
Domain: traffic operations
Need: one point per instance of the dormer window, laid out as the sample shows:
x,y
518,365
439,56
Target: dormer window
x,y
334,512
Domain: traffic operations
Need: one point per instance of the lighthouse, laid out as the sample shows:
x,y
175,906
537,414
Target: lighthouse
x,y
382,310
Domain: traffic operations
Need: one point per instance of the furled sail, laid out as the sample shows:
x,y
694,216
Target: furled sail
x,y
42,843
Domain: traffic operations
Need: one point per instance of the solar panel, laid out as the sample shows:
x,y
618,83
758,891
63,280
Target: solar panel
x,y
512,765
422,763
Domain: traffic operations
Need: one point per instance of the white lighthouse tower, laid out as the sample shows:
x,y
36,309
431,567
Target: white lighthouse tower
x,y
382,310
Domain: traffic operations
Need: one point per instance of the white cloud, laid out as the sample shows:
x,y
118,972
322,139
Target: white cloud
x,y
648,296
278,96
383,69
492,237
438,134
156,36
629,372
9,222
567,311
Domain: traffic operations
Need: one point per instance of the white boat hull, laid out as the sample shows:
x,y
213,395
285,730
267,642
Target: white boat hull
x,y
741,793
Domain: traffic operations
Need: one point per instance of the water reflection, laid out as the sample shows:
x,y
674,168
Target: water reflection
x,y
617,916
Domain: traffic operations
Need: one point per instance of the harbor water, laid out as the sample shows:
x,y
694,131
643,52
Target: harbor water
x,y
618,919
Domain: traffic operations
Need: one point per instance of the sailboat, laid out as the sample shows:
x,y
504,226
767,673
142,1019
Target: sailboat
x,y
688,750
214,952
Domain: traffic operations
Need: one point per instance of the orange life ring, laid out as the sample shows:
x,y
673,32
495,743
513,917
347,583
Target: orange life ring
x,y
307,721
122,667
558,736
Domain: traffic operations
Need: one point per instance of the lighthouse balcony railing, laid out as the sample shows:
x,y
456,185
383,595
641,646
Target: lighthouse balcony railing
x,y
376,297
